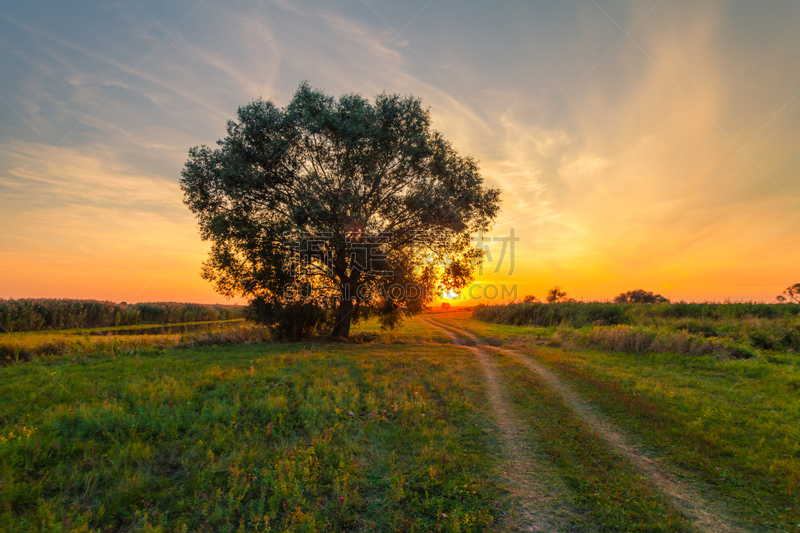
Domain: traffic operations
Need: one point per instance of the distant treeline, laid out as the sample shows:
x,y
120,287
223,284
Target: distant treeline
x,y
579,314
43,314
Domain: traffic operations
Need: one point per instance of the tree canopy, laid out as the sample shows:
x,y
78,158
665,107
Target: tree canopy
x,y
640,296
329,208
556,295
790,294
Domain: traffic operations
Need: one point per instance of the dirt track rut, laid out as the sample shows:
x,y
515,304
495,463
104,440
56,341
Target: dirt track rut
x,y
537,490
706,515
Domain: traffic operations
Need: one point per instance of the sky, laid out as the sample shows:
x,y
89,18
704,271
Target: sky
x,y
648,144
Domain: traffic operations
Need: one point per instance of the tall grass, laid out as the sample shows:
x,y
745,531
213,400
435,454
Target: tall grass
x,y
577,314
52,314
50,346
730,329
640,339
539,314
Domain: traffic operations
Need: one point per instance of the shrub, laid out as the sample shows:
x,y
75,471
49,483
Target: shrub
x,y
291,322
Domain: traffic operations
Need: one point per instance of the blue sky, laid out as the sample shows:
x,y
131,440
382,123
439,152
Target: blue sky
x,y
637,144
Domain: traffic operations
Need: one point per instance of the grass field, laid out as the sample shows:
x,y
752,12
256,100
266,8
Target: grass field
x,y
731,424
406,431
249,437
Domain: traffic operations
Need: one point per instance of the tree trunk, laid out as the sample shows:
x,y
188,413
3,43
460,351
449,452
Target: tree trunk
x,y
342,327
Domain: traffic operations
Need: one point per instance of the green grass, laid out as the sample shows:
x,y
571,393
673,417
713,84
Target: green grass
x,y
734,424
250,438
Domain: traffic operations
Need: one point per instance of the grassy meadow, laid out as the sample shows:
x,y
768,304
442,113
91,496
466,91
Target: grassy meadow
x,y
225,430
249,437
731,420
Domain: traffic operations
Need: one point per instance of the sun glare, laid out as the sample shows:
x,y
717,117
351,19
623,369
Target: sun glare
x,y
450,295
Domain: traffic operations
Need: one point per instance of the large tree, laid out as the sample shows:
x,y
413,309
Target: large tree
x,y
340,204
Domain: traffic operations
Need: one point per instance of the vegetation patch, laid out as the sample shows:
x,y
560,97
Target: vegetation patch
x,y
57,314
259,437
737,331
577,314
43,346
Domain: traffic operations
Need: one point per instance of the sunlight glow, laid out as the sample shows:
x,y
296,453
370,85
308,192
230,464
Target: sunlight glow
x,y
666,161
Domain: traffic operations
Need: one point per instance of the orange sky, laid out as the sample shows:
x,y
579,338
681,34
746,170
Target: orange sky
x,y
637,145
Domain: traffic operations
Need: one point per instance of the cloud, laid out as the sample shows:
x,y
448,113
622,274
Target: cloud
x,y
605,150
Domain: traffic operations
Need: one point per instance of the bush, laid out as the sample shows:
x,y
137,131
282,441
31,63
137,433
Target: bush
x,y
291,322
